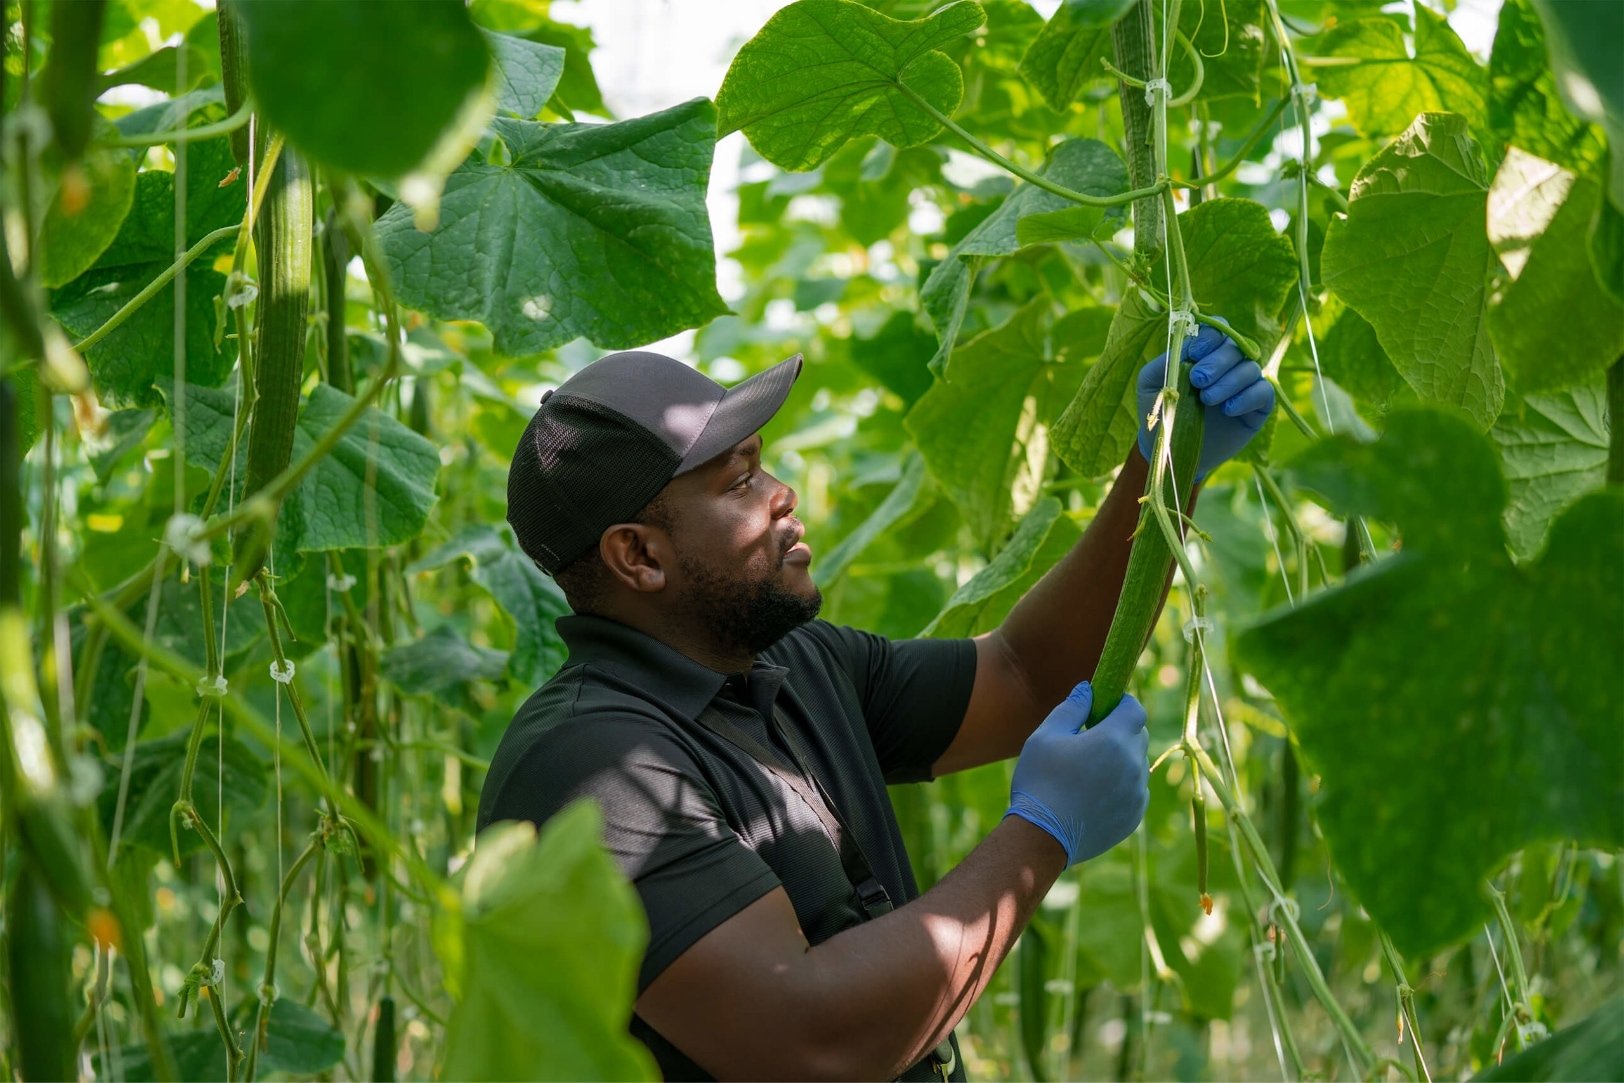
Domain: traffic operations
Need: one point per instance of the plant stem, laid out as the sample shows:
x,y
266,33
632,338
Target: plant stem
x,y
262,731
1406,1006
1020,171
1252,140
267,987
1284,909
166,276
235,121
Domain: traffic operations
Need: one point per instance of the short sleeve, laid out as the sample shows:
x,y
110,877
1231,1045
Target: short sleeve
x,y
662,823
913,692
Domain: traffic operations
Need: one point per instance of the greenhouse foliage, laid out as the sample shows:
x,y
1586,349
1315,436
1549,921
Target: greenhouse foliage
x,y
268,344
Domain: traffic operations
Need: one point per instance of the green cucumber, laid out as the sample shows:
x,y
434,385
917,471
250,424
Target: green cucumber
x,y
68,83
1148,563
39,968
335,262
234,72
286,236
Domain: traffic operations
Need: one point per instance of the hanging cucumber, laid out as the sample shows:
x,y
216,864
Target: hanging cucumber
x,y
1148,563
285,236
40,971
234,72
68,83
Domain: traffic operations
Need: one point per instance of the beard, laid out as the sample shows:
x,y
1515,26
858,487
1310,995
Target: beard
x,y
744,614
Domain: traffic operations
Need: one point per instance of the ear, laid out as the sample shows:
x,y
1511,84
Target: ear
x,y
637,556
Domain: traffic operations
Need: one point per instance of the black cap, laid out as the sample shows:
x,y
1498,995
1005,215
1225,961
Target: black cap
x,y
605,443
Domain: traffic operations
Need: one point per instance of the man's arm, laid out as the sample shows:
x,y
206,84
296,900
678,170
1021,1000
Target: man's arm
x,y
750,999
1054,636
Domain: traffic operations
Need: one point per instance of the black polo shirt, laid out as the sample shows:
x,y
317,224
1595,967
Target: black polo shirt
x,y
699,826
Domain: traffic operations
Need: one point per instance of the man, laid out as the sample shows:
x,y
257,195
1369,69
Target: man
x,y
740,748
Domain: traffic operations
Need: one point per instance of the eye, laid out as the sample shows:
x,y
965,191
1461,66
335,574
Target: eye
x,y
743,483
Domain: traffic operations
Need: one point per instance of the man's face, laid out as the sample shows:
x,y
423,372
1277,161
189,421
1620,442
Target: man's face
x,y
743,570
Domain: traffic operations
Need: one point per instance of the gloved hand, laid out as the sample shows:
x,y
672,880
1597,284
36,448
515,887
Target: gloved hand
x,y
1236,397
1087,788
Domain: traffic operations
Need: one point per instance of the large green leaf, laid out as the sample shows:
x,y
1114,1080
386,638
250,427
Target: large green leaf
x,y
442,663
155,786
595,230
1083,165
1525,109
1553,448
825,71
1240,269
1066,54
1350,355
85,214
527,73
1552,323
975,425
1388,87
1592,1048
368,86
556,898
529,598
895,509
374,489
124,363
1041,538
1583,41
1413,259
1094,432
1496,678
297,1041
1233,44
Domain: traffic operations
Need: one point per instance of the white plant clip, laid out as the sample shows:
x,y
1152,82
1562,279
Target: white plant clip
x,y
1182,318
282,672
340,583
212,687
1306,93
1194,623
183,534
1154,87
216,974
240,292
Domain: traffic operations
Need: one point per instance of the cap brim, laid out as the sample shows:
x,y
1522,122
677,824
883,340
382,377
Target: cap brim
x,y
745,408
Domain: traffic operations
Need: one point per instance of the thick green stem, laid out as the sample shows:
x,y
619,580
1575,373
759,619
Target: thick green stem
x,y
1133,41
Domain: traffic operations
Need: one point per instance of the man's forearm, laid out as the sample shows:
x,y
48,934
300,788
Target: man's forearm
x,y
891,989
1057,631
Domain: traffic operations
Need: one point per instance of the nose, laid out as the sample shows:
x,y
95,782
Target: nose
x,y
784,500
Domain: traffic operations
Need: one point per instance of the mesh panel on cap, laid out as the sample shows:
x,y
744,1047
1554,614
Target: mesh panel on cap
x,y
580,468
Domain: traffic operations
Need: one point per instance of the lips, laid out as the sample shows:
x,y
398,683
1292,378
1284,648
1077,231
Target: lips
x,y
797,551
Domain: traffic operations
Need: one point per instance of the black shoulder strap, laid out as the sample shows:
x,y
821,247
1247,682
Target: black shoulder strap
x,y
871,894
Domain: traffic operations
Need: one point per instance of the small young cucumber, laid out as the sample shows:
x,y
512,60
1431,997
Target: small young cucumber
x,y
1148,563
286,238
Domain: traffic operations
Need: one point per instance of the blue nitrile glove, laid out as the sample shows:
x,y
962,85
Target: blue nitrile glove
x,y
1236,396
1087,788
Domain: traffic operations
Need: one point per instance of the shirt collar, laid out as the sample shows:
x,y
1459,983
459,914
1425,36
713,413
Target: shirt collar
x,y
663,673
